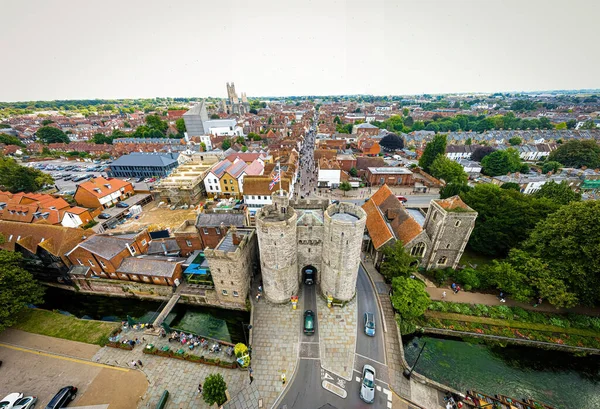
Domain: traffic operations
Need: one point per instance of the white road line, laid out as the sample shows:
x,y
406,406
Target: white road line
x,y
378,388
357,379
316,359
389,405
388,393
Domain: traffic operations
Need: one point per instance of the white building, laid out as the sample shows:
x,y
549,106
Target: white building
x,y
220,127
329,173
470,167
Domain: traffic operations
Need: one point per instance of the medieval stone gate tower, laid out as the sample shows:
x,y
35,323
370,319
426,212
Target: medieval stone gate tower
x,y
309,234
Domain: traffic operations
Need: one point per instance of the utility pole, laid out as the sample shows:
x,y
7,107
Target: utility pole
x,y
408,373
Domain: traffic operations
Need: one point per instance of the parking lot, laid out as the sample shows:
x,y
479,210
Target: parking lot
x,y
59,170
27,368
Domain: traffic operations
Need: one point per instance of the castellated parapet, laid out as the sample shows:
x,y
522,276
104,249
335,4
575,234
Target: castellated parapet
x,y
276,229
344,226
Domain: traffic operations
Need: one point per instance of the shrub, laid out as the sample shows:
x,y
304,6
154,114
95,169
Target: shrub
x,y
437,306
481,310
468,277
440,276
557,322
520,314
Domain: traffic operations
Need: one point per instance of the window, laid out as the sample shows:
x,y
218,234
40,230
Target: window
x,y
102,264
434,216
224,292
189,243
381,181
226,189
230,181
224,181
442,261
144,242
418,249
232,189
79,261
236,294
204,230
217,230
91,264
131,249
457,223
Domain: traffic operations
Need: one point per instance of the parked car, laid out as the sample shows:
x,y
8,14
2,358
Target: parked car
x,y
122,205
402,199
140,180
367,386
28,402
62,398
9,400
127,179
309,322
104,216
370,324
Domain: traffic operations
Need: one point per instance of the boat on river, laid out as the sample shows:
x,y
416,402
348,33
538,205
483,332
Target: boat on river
x,y
504,402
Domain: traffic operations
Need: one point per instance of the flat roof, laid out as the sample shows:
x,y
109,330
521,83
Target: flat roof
x,y
390,170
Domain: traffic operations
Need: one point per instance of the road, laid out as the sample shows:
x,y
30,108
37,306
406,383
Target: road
x,y
307,388
307,175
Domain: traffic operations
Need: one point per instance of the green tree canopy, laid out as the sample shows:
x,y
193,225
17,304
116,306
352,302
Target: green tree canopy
x,y
409,297
501,162
345,187
49,134
19,288
560,193
11,140
505,217
448,170
569,242
215,116
511,185
397,262
588,125
453,189
102,139
433,149
551,166
353,172
154,122
214,389
17,178
577,153
180,125
515,140
481,152
226,144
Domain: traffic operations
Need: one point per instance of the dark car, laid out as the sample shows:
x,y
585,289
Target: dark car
x,y
140,180
309,322
62,398
122,204
104,216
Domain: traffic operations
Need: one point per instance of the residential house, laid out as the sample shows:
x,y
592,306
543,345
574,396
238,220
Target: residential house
x,y
188,238
32,208
76,216
212,179
257,192
102,193
212,227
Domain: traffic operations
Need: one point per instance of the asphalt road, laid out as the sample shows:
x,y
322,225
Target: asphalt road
x,y
306,390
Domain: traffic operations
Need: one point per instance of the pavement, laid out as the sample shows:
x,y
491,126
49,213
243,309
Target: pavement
x,y
39,365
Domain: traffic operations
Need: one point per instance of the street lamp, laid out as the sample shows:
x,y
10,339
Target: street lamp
x,y
244,326
408,373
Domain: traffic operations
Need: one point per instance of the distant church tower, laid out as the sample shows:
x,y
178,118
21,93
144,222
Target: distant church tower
x,y
233,102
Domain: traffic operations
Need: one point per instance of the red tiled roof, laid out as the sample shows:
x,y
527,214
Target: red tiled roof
x,y
376,225
101,183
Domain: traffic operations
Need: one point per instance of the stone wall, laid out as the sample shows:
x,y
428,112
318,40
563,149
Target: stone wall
x,y
310,246
342,241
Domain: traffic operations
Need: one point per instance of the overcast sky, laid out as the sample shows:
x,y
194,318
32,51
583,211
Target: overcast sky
x,y
73,49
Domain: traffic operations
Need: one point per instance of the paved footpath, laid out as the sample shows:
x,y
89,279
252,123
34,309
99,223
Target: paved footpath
x,y
337,337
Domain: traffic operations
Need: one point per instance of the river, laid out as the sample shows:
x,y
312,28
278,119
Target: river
x,y
559,379
225,325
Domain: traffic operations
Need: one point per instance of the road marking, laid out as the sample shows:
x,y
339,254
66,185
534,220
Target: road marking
x,y
64,358
306,357
334,389
357,379
378,388
366,357
327,376
388,394
389,405
302,342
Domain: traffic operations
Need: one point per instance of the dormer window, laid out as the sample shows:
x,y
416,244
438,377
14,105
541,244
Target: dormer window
x,y
107,186
97,189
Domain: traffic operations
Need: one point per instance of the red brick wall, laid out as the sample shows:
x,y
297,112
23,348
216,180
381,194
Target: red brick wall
x,y
212,237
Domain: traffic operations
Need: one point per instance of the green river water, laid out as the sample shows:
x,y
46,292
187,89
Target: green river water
x,y
559,379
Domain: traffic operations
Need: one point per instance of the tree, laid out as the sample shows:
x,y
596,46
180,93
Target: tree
x,y
505,217
405,111
336,120
126,124
11,140
433,149
571,124
155,123
19,288
392,142
511,185
501,162
560,193
180,125
17,178
453,189
49,134
240,140
481,152
588,125
409,297
469,141
47,122
353,172
397,262
551,166
215,116
105,156
253,111
213,390
448,170
244,149
254,136
345,187
577,153
515,140
102,139
510,279
203,146
226,144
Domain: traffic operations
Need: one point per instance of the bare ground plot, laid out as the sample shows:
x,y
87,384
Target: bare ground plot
x,y
157,218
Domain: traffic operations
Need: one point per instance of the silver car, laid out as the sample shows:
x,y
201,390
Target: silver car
x,y
367,386
28,402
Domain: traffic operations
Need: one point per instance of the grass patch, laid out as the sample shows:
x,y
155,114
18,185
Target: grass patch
x,y
56,325
511,324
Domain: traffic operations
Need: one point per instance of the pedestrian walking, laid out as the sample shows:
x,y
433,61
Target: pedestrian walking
x,y
283,379
133,364
453,286
199,388
443,295
140,364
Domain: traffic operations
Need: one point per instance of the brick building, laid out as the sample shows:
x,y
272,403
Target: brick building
x,y
101,192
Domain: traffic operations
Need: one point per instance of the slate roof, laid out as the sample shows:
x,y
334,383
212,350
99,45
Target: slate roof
x,y
237,168
106,247
163,246
157,266
218,219
220,168
145,159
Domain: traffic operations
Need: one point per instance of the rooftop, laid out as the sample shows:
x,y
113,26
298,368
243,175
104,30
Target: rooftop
x,y
390,170
228,244
146,159
157,266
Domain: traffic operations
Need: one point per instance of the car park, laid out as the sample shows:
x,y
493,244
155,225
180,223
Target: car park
x,y
9,400
367,385
369,324
309,322
62,398
27,402
104,216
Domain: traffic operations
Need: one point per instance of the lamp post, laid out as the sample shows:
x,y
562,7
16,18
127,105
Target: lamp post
x,y
408,373
244,326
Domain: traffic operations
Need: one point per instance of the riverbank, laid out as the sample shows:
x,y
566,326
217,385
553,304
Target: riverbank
x,y
54,324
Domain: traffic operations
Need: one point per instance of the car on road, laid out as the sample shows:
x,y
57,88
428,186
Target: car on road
x,y
9,400
122,205
127,179
402,199
367,386
140,180
370,324
62,398
28,402
309,322
104,216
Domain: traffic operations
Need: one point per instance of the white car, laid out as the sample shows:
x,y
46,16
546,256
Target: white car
x,y
9,400
367,386
28,402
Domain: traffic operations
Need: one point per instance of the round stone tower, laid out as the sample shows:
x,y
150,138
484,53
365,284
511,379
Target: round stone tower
x,y
342,241
276,231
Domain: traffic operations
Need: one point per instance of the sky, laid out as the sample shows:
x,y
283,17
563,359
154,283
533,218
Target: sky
x,y
73,49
